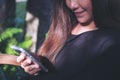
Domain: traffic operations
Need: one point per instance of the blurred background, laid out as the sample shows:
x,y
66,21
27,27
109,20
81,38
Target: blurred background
x,y
23,23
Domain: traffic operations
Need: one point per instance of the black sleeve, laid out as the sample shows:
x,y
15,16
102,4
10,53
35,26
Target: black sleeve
x,y
112,62
108,64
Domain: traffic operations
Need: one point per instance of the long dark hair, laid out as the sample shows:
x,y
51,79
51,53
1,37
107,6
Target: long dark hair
x,y
104,12
63,21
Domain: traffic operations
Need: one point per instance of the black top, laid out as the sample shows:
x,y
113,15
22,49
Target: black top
x,y
92,55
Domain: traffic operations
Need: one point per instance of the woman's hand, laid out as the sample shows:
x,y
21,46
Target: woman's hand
x,y
28,65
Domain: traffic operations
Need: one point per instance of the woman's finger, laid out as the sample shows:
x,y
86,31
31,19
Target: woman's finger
x,y
26,62
32,69
21,57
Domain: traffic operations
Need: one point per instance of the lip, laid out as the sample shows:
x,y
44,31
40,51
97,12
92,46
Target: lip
x,y
79,13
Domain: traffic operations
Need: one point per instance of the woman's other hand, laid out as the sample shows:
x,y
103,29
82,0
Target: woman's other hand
x,y
28,65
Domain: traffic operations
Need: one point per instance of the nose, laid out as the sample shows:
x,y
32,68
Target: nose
x,y
74,4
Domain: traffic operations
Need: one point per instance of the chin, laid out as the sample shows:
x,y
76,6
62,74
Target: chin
x,y
84,21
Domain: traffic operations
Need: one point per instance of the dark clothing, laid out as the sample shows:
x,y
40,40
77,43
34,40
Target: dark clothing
x,y
92,55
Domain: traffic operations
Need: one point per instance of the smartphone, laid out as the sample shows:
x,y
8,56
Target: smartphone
x,y
30,55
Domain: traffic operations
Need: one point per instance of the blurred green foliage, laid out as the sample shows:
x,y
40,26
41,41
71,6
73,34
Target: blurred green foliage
x,y
7,38
13,36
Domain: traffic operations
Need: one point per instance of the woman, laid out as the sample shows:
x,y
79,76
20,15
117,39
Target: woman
x,y
80,45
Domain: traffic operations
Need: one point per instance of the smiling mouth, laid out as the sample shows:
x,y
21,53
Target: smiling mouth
x,y
78,14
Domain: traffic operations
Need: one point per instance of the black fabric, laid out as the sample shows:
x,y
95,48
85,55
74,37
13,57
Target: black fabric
x,y
92,55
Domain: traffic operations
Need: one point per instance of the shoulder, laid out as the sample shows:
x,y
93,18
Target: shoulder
x,y
108,35
105,39
110,39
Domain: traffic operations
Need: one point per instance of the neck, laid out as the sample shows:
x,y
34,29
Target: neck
x,y
78,29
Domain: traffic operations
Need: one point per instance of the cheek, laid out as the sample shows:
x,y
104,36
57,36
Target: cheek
x,y
90,10
86,4
88,7
67,3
